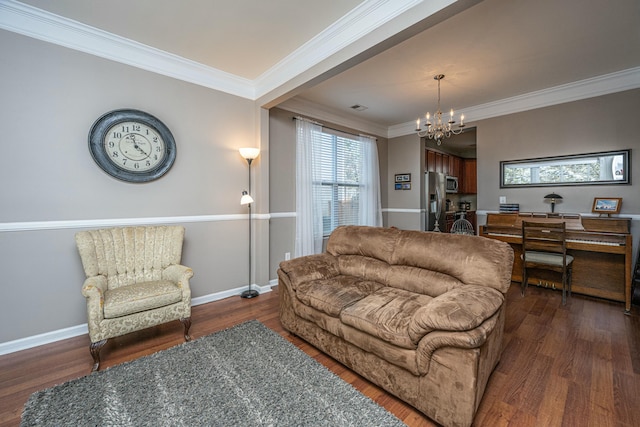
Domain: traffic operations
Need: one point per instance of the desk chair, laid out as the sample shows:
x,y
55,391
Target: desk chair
x,y
544,247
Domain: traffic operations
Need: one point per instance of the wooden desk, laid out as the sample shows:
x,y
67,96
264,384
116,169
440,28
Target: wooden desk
x,y
601,247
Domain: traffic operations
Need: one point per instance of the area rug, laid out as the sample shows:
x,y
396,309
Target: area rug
x,y
247,375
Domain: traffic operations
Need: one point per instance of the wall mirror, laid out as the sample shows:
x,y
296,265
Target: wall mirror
x,y
611,167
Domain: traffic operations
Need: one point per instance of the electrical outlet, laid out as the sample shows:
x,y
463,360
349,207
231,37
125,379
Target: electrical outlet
x,y
503,199
287,256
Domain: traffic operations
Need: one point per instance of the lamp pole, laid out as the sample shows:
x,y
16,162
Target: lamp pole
x,y
249,154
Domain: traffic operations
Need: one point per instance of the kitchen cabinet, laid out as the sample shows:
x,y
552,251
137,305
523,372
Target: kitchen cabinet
x,y
450,218
430,161
469,184
464,169
471,217
454,166
447,164
438,162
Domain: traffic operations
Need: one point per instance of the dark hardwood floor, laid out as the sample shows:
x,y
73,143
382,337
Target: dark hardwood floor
x,y
573,365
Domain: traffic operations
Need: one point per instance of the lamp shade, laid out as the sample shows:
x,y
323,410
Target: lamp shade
x,y
249,153
553,196
246,198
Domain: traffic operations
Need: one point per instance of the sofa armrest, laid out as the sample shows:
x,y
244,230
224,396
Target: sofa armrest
x,y
93,290
94,287
308,268
178,274
473,338
461,309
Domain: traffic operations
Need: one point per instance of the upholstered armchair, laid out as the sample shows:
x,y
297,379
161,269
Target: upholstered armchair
x,y
134,281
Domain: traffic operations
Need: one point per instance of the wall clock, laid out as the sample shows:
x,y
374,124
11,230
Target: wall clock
x,y
132,145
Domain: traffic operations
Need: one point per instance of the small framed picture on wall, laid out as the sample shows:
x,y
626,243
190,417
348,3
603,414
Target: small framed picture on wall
x,y
403,186
403,177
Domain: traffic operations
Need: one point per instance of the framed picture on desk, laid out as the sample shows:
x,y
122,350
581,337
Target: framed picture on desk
x,y
606,205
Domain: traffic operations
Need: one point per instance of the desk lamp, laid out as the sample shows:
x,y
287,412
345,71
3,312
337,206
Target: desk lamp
x,y
553,197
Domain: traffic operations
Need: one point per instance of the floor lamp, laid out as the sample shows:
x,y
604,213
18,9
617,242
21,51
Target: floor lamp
x,y
249,154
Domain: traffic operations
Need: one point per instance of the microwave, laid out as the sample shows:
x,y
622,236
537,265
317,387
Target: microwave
x,y
451,185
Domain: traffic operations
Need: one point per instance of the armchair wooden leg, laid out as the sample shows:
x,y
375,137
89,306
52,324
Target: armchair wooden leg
x,y
95,348
187,324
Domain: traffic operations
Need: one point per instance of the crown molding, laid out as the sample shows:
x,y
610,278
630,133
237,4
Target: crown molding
x,y
353,26
39,24
321,113
42,25
619,81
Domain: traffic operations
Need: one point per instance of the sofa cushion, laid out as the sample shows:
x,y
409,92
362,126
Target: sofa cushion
x,y
331,296
421,281
461,309
386,314
310,268
473,260
143,296
372,242
365,267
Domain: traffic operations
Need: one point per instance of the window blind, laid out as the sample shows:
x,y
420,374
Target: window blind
x,y
338,189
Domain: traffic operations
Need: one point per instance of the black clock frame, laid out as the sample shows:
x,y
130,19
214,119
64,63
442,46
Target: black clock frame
x,y
106,121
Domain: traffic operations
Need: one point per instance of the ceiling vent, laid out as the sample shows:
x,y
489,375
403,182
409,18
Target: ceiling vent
x,y
359,107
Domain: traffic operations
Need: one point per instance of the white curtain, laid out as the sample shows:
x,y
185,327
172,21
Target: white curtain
x,y
308,211
370,209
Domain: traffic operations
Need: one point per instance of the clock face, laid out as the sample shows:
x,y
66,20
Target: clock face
x,y
132,145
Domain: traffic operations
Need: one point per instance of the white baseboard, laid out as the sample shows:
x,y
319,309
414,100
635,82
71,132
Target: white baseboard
x,y
74,331
46,338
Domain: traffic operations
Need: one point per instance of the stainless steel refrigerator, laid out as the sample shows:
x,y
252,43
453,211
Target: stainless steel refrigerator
x,y
434,185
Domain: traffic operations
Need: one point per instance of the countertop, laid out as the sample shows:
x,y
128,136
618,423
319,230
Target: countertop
x,y
459,211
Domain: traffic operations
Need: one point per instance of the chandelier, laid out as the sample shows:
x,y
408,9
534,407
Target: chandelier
x,y
439,130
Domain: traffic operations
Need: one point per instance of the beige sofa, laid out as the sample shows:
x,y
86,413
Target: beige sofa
x,y
420,314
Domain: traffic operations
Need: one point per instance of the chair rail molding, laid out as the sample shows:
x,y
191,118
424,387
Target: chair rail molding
x,y
122,222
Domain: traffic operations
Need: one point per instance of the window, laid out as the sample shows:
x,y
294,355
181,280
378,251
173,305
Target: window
x,y
340,170
583,169
337,183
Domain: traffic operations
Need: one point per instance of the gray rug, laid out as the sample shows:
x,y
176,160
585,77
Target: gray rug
x,y
247,375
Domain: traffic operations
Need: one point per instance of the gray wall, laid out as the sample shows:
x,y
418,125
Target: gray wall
x,y
405,155
282,176
50,98
587,126
591,125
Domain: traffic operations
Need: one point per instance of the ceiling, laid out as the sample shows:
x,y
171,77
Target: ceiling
x,y
489,51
